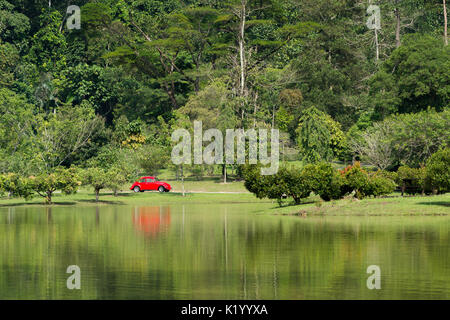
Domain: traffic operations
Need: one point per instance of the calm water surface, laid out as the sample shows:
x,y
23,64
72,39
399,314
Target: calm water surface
x,y
221,251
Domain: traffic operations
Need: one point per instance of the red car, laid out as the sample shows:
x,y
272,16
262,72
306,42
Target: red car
x,y
150,184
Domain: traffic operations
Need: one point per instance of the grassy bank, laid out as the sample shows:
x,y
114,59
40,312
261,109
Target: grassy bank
x,y
87,197
395,205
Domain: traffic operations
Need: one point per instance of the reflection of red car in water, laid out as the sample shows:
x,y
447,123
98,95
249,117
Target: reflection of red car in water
x,y
150,183
151,220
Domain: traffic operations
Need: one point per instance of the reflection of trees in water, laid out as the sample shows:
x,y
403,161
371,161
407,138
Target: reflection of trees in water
x,y
215,254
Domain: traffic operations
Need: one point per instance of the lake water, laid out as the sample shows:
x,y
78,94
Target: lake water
x,y
221,251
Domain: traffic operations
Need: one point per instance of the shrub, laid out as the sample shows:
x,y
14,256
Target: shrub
x,y
323,180
438,170
287,182
412,180
387,174
197,172
380,186
357,180
290,182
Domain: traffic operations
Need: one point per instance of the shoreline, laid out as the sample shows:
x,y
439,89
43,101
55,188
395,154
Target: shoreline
x,y
387,206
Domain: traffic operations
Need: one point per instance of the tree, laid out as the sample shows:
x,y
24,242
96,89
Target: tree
x,y
17,126
319,136
288,182
117,178
445,23
412,79
13,25
375,145
153,158
67,136
16,185
45,184
407,138
97,178
438,170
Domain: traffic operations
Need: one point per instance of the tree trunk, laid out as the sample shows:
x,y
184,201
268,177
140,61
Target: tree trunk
x,y
445,24
182,180
224,173
97,194
273,116
48,198
241,48
377,45
397,29
115,192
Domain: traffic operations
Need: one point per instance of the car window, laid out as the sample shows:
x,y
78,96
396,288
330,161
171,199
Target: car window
x,y
141,180
150,180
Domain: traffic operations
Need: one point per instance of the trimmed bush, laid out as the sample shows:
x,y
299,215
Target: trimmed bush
x,y
323,180
357,180
380,186
287,182
438,171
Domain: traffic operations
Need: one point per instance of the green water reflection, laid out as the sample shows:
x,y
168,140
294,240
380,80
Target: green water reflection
x,y
223,251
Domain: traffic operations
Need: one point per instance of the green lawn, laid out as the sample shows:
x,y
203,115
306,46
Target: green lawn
x,y
394,205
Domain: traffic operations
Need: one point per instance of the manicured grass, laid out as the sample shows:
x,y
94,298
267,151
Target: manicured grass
x,y
209,185
394,205
85,197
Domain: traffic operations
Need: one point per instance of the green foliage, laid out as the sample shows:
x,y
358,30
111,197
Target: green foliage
x,y
320,138
16,185
65,180
110,95
97,178
412,180
68,136
407,138
153,158
363,184
323,180
17,125
380,186
413,78
438,170
117,178
356,180
48,44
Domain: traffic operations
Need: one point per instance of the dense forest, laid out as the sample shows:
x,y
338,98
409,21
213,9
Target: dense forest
x,y
109,94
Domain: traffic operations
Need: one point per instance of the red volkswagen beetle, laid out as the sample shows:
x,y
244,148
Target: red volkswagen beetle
x,y
150,184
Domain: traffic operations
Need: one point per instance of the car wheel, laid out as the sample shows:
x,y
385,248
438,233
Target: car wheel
x,y
161,189
136,189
